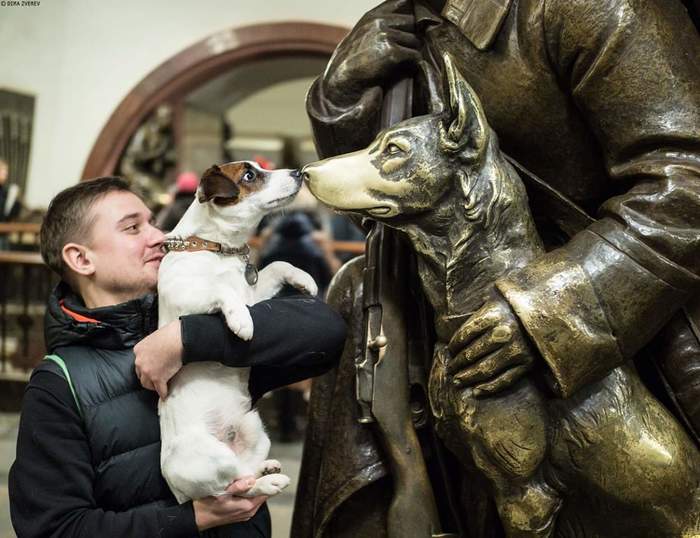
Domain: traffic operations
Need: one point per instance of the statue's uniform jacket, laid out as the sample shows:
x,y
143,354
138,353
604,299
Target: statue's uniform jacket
x,y
602,101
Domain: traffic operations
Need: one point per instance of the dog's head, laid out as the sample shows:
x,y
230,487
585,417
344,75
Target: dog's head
x,y
412,166
243,188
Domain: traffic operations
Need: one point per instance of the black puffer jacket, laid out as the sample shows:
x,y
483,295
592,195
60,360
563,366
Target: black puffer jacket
x,y
91,446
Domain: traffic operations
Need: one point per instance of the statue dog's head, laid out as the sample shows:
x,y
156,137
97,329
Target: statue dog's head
x,y
414,166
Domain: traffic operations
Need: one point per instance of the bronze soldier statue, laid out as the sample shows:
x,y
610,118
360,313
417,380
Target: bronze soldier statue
x,y
602,101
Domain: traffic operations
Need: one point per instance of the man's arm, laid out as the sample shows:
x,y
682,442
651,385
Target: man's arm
x,y
295,337
51,480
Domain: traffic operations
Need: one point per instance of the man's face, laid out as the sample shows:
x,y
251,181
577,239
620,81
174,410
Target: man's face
x,y
124,246
4,171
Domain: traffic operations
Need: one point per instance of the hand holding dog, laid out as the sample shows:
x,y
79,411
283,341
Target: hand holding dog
x,y
225,509
158,357
490,351
381,44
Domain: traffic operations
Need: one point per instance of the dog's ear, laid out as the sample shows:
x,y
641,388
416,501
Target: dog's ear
x,y
466,129
431,100
215,184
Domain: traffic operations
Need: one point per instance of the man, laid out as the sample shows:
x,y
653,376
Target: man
x,y
602,101
88,449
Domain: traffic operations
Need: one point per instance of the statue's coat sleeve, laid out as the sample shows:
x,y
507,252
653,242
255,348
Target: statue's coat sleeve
x,y
633,68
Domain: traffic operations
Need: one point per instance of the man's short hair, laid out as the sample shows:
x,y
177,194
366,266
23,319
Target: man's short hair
x,y
68,218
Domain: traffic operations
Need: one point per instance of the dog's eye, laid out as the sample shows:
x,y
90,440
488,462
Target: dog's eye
x,y
393,149
248,176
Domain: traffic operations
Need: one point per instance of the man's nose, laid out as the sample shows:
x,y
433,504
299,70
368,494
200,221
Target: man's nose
x,y
157,236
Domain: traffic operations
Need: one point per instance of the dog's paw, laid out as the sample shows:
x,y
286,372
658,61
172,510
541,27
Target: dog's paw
x,y
238,320
270,484
302,281
269,467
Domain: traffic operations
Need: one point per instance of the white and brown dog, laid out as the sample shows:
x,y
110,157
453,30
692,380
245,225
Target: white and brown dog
x,y
210,435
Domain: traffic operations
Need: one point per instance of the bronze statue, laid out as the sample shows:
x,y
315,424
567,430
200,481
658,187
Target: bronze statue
x,y
441,179
602,101
150,156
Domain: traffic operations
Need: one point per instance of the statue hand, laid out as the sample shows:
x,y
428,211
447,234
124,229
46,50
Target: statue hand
x,y
490,351
380,46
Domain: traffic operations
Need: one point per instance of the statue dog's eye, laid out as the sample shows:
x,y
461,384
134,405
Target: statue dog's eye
x,y
249,176
393,149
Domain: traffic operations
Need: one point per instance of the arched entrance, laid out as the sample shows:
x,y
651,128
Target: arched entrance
x,y
198,64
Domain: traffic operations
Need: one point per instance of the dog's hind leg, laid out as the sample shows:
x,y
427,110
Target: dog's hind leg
x,y
197,464
253,446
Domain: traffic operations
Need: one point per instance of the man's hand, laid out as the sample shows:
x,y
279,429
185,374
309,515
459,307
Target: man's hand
x,y
228,508
159,357
489,350
381,45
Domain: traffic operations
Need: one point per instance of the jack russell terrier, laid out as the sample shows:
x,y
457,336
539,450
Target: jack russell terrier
x,y
210,434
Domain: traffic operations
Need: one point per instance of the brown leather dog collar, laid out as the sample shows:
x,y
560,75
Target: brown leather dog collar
x,y
197,244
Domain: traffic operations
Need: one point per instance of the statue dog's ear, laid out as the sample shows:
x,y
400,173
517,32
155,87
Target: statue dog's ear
x,y
432,99
465,129
217,186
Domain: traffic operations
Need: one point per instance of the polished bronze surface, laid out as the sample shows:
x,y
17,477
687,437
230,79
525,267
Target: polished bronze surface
x,y
602,101
465,212
149,157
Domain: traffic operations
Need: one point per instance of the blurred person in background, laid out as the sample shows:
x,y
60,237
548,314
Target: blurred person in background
x,y
295,238
185,187
9,200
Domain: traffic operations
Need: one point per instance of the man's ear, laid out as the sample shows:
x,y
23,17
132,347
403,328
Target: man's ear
x,y
78,259
465,129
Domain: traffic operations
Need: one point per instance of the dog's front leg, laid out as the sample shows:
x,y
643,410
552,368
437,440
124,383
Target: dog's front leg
x,y
275,275
237,315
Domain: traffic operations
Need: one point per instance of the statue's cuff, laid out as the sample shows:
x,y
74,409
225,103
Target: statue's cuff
x,y
557,304
588,307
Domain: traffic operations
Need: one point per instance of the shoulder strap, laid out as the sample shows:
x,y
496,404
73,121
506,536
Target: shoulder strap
x,y
64,369
565,212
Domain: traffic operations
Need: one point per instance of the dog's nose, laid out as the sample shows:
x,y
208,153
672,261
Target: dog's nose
x,y
296,174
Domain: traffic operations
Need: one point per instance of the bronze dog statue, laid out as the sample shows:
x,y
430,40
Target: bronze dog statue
x,y
608,461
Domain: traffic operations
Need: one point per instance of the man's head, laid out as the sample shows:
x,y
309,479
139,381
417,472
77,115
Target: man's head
x,y
98,236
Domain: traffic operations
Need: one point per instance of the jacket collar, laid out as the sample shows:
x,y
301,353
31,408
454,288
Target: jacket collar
x,y
69,322
478,20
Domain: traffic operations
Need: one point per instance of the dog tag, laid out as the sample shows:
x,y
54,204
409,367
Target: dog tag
x,y
251,274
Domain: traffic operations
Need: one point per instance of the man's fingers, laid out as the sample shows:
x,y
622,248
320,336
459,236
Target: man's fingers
x,y
404,55
161,388
241,485
489,367
482,346
404,39
146,383
481,321
502,382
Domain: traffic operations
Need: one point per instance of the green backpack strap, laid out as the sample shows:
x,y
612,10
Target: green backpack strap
x,y
62,365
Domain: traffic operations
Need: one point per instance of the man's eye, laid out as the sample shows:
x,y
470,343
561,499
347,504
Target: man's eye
x,y
248,176
132,228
